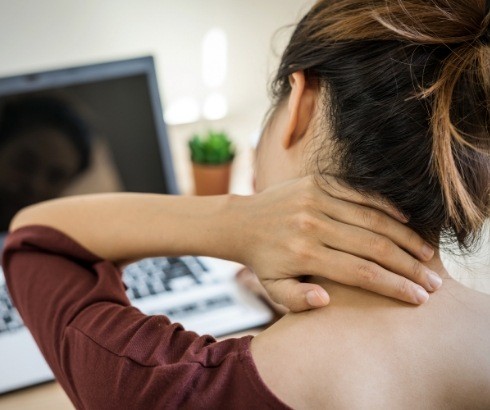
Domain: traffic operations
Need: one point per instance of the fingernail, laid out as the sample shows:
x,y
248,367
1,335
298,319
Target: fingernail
x,y
317,298
435,280
427,251
421,296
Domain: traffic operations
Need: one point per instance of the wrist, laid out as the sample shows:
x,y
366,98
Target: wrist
x,y
238,228
224,229
205,226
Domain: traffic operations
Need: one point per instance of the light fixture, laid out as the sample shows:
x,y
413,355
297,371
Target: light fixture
x,y
214,58
215,107
182,111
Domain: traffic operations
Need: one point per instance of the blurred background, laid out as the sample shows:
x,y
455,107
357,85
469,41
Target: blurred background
x,y
213,57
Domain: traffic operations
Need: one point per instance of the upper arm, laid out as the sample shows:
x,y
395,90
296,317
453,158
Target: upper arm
x,y
104,352
51,280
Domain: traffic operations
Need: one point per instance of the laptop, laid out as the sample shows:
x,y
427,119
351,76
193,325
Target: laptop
x,y
102,130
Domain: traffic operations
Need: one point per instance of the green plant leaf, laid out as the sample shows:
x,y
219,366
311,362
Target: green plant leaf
x,y
213,148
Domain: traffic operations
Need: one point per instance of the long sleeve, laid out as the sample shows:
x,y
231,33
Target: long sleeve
x,y
107,354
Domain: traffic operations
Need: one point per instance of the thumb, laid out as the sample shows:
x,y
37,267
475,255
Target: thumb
x,y
295,295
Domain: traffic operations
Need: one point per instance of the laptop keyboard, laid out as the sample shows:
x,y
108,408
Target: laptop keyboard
x,y
204,306
159,275
147,277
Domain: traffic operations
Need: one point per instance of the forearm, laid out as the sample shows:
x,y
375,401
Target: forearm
x,y
122,227
290,230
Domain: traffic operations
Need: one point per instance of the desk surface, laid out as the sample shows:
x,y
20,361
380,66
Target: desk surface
x,y
46,396
51,396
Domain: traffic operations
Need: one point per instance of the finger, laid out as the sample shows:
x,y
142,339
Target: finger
x,y
251,282
339,191
380,249
296,296
354,271
380,223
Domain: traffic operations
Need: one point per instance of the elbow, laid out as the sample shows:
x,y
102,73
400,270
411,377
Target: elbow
x,y
48,213
18,220
23,217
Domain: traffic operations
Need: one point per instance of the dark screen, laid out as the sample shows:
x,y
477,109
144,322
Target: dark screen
x,y
90,138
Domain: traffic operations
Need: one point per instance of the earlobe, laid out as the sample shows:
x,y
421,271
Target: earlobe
x,y
299,110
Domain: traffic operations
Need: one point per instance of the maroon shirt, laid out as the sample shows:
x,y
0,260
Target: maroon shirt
x,y
107,354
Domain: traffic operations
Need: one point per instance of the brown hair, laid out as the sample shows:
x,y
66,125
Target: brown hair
x,y
408,86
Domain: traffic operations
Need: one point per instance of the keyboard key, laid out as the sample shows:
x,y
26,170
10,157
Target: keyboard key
x,y
157,286
220,301
182,283
153,276
142,289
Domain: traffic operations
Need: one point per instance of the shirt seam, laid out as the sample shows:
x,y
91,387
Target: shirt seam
x,y
202,365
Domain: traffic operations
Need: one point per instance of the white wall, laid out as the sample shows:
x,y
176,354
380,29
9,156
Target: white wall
x,y
44,34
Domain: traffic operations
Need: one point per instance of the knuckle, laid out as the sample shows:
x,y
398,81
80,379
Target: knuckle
x,y
412,237
284,296
368,273
288,298
306,222
417,271
403,288
271,289
375,220
302,251
306,200
361,215
381,246
414,240
365,216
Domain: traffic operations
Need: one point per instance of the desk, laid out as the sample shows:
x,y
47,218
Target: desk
x,y
51,396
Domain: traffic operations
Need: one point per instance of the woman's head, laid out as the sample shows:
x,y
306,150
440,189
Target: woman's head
x,y
392,97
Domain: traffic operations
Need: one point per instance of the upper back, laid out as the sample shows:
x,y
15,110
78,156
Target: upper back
x,y
367,351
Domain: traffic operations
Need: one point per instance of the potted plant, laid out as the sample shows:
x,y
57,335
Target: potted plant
x,y
212,155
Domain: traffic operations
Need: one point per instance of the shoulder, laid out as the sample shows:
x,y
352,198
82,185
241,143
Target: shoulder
x,y
374,350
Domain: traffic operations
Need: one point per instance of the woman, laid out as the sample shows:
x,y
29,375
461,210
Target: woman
x,y
392,99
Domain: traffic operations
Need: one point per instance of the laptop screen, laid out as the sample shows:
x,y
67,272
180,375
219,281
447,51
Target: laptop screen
x,y
82,130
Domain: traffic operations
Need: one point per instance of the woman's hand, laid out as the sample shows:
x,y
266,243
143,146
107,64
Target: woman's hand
x,y
283,234
297,229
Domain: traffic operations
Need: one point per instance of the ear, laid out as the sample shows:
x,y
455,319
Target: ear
x,y
299,111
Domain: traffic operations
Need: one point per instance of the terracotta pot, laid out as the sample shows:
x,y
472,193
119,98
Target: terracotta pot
x,y
212,179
